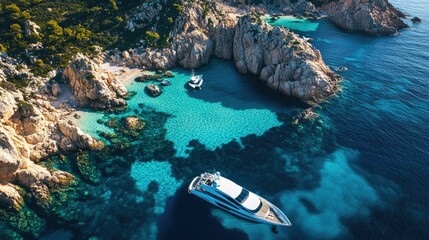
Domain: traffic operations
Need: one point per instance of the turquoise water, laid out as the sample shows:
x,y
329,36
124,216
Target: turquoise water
x,y
160,172
293,23
359,171
228,107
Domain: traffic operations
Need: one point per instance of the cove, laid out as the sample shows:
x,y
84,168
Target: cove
x,y
229,106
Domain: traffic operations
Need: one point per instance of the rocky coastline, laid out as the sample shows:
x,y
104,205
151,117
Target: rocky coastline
x,y
369,17
278,56
31,128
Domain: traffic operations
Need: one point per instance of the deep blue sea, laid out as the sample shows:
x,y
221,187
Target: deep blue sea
x,y
360,171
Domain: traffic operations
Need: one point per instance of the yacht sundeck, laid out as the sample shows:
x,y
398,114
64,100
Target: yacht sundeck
x,y
237,200
196,81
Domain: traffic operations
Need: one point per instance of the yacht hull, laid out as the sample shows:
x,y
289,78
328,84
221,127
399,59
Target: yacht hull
x,y
225,202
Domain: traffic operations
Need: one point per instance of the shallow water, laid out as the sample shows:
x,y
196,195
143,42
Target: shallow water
x,y
293,23
360,171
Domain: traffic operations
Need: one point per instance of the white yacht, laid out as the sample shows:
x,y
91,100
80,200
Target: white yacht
x,y
196,81
237,200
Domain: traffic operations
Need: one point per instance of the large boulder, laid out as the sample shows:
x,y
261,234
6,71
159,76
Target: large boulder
x,y
153,90
10,197
7,104
10,160
93,86
134,123
74,138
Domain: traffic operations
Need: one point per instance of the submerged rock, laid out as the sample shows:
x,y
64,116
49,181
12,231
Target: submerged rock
x,y
87,168
134,123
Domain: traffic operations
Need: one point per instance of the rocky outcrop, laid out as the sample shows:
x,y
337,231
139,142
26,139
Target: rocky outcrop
x,y
55,89
134,123
377,17
194,49
416,20
10,197
74,138
373,17
153,90
15,166
29,133
279,57
92,86
284,61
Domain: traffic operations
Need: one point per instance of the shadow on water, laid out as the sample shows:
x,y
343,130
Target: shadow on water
x,y
199,223
223,84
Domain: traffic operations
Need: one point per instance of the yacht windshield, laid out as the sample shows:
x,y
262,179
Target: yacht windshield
x,y
243,195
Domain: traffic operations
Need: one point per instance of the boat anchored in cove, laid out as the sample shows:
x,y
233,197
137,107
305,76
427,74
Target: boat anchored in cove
x,y
237,200
196,81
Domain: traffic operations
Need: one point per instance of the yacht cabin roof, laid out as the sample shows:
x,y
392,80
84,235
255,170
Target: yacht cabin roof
x,y
233,190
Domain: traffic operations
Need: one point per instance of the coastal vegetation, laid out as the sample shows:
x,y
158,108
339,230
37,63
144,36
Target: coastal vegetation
x,y
46,34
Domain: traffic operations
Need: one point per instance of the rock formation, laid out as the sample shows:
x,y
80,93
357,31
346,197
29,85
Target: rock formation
x,y
31,129
92,86
376,17
284,61
416,20
134,123
372,17
153,90
10,196
29,133
279,57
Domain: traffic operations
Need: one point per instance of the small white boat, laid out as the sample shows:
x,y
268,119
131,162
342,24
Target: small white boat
x,y
237,200
196,81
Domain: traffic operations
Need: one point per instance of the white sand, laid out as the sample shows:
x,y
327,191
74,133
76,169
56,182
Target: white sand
x,y
126,75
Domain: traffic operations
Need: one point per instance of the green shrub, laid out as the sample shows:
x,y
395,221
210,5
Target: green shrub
x,y
151,38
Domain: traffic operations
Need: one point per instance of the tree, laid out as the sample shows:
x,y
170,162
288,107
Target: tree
x,y
12,8
114,5
15,31
15,28
13,11
25,15
2,48
68,32
151,38
82,34
53,28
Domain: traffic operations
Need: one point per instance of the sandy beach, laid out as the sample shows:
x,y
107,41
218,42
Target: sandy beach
x,y
126,75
